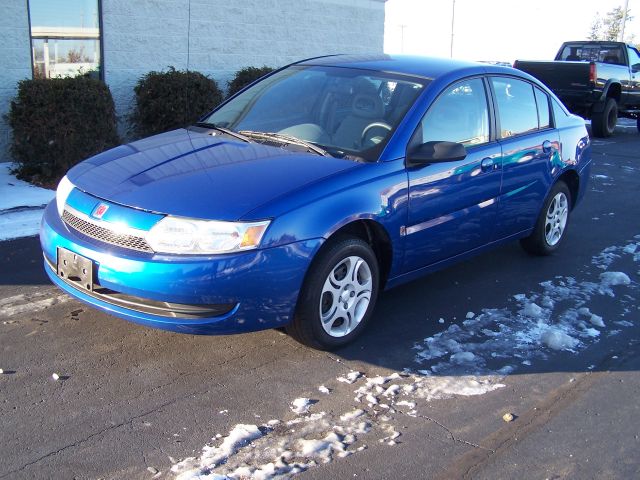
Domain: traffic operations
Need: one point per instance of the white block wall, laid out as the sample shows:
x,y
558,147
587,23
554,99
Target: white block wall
x,y
223,36
217,38
15,60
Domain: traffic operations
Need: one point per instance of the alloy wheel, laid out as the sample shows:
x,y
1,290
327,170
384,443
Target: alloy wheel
x,y
556,219
346,295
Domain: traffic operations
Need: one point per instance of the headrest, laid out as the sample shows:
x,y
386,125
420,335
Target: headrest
x,y
367,106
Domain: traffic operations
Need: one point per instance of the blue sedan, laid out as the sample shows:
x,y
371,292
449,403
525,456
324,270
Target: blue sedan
x,y
295,202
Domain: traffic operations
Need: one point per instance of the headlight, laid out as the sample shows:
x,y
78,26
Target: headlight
x,y
62,193
186,235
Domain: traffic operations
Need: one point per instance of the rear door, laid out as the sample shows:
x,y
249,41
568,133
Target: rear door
x,y
453,205
530,152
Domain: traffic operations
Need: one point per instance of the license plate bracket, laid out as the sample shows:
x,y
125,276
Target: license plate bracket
x,y
75,269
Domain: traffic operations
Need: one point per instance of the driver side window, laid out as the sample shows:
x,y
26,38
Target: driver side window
x,y
460,114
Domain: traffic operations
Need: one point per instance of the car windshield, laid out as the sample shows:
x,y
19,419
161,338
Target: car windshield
x,y
346,112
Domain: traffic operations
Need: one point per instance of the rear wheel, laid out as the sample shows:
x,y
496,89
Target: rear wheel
x,y
603,123
552,222
338,295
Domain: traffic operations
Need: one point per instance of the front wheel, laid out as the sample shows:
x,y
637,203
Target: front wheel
x,y
604,123
551,225
338,296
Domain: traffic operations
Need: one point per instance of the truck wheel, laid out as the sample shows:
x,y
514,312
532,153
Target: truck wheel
x,y
604,123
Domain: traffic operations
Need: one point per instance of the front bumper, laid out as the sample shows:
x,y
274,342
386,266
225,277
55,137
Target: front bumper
x,y
216,294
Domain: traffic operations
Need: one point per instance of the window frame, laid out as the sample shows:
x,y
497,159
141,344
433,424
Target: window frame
x,y
101,70
417,132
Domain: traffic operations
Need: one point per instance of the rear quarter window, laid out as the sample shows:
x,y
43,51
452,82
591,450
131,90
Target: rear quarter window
x,y
542,100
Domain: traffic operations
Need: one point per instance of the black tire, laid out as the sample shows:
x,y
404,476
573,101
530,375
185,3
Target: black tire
x,y
538,243
603,123
638,124
307,327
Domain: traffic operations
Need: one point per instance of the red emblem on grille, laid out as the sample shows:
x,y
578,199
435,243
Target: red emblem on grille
x,y
100,210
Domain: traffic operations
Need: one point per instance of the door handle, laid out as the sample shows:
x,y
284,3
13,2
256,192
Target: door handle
x,y
487,164
546,146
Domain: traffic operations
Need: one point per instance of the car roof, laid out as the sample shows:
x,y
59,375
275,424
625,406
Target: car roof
x,y
427,67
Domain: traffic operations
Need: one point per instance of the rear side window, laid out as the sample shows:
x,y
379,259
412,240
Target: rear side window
x,y
543,108
460,114
517,109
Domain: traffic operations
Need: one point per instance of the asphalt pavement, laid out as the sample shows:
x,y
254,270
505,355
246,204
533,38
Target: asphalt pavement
x,y
132,402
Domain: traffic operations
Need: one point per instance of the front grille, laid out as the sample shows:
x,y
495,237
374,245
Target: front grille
x,y
104,234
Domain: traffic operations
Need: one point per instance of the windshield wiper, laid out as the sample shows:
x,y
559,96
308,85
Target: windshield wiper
x,y
231,133
286,140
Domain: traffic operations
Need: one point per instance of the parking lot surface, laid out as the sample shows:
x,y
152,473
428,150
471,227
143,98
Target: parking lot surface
x,y
553,341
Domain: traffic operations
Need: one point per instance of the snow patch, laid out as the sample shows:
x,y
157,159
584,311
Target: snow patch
x,y
301,405
558,340
350,377
21,205
212,456
608,279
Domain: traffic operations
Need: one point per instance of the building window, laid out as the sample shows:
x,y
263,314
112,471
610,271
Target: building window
x,y
65,38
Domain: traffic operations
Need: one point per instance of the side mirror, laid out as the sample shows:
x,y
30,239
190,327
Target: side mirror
x,y
435,152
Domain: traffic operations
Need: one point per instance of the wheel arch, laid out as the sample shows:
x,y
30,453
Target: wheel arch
x,y
612,89
378,239
572,180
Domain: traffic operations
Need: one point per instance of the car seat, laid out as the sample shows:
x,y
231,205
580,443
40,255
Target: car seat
x,y
365,109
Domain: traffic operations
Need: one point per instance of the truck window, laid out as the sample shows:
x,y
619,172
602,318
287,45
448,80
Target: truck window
x,y
516,106
634,59
592,52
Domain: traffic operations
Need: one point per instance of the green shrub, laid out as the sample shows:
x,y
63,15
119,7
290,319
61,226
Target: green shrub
x,y
172,99
245,76
57,123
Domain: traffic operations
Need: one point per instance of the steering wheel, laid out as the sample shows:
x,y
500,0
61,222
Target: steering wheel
x,y
384,125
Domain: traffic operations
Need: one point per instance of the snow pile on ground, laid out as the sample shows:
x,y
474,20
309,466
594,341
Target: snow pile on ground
x,y
490,343
21,205
350,377
465,359
31,303
301,405
275,450
238,437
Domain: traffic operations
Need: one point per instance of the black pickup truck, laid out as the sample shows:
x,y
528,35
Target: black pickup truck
x,y
596,80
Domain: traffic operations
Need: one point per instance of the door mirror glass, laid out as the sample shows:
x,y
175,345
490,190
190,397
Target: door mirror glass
x,y
436,152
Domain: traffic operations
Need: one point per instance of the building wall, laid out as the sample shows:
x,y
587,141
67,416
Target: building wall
x,y
220,36
15,60
215,37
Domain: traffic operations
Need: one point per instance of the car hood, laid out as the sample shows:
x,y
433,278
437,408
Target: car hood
x,y
194,174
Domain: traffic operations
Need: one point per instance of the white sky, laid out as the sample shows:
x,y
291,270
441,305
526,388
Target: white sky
x,y
501,30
